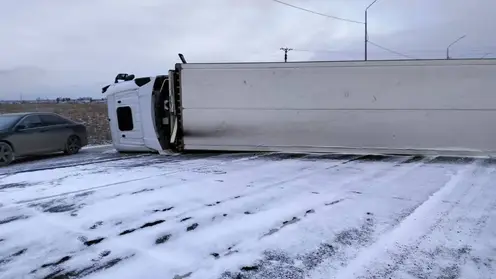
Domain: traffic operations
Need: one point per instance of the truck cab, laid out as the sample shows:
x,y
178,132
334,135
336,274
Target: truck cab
x,y
134,122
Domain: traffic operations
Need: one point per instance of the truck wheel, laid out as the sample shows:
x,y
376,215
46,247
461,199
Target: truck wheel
x,y
6,154
73,145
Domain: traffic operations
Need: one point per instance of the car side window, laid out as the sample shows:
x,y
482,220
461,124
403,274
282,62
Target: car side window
x,y
32,121
50,120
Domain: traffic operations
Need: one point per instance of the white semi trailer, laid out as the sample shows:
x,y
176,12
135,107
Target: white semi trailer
x,y
442,107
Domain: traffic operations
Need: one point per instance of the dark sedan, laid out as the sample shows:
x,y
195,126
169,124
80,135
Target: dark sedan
x,y
34,133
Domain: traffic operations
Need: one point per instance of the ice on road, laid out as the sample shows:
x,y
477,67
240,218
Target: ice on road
x,y
226,216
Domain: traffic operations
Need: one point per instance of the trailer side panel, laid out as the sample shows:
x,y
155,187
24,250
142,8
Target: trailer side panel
x,y
435,106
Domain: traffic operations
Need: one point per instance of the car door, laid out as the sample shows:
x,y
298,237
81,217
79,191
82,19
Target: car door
x,y
56,130
29,137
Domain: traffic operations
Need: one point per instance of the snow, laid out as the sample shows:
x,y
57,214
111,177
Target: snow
x,y
95,146
220,216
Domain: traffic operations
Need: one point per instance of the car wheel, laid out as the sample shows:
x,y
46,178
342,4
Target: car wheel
x,y
73,145
6,154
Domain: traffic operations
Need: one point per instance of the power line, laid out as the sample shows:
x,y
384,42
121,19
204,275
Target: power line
x,y
347,20
317,13
348,53
344,52
485,54
317,50
390,50
472,51
418,54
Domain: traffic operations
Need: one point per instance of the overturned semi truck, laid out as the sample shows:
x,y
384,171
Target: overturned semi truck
x,y
426,107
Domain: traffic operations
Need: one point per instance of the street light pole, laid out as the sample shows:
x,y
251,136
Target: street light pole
x,y
366,28
454,42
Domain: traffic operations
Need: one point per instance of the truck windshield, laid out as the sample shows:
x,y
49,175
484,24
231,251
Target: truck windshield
x,y
6,121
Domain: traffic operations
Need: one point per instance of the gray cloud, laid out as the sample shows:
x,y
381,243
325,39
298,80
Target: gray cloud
x,y
73,48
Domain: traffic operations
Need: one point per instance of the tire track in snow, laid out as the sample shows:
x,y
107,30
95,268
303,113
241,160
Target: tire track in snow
x,y
337,189
223,156
234,172
188,212
488,206
201,163
243,159
299,208
260,196
75,164
410,232
205,167
201,225
373,173
88,239
259,191
374,196
404,169
453,249
95,235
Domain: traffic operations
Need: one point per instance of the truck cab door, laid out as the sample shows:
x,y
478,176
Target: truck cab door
x,y
129,129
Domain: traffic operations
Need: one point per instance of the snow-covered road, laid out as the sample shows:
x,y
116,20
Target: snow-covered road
x,y
226,216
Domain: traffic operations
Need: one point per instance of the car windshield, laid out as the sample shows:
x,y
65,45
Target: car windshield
x,y
7,120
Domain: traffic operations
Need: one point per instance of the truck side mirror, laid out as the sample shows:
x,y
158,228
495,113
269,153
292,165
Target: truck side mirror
x,y
104,89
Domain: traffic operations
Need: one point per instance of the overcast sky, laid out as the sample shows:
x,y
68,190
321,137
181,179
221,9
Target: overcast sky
x,y
53,48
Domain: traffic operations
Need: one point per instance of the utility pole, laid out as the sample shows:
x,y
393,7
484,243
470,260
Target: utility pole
x,y
286,50
454,42
366,27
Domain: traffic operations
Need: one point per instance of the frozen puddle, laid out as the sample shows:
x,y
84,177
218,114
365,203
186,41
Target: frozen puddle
x,y
237,216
